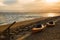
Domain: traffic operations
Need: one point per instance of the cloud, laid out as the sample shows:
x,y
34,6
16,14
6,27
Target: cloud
x,y
25,1
27,5
2,4
9,2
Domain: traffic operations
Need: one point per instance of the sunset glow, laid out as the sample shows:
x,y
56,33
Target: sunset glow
x,y
51,14
50,1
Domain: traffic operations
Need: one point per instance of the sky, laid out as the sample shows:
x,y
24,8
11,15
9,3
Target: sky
x,y
30,5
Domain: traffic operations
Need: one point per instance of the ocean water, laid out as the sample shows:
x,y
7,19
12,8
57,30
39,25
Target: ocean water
x,y
6,18
9,17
